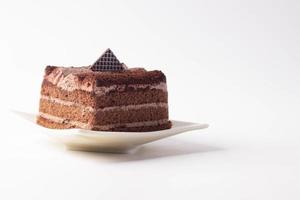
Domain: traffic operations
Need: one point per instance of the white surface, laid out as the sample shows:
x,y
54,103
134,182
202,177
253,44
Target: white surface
x,y
232,64
106,141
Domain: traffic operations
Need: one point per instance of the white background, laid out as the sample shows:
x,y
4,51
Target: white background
x,y
232,64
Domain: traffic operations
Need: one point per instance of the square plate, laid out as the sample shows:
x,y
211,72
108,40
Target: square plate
x,y
106,141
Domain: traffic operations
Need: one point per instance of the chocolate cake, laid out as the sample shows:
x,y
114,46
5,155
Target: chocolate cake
x,y
106,96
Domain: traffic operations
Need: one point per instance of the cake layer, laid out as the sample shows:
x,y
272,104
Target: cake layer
x,y
74,112
78,96
131,115
60,123
54,125
131,97
128,96
108,115
130,77
156,127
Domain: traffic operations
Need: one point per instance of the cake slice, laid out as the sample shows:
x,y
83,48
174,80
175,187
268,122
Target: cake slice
x,y
106,96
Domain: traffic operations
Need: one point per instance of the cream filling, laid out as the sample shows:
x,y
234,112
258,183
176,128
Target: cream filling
x,y
91,109
102,127
102,90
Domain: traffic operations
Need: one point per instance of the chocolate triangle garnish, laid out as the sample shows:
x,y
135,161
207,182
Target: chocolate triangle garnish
x,y
107,62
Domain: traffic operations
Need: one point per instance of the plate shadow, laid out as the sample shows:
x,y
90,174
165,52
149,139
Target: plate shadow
x,y
162,149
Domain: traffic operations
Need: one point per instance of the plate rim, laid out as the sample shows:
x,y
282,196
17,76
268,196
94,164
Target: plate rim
x,y
97,134
190,126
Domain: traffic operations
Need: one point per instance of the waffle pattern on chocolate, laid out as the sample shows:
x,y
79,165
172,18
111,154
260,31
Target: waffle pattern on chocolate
x,y
107,62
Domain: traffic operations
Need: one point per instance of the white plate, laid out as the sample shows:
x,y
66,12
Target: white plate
x,y
116,142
